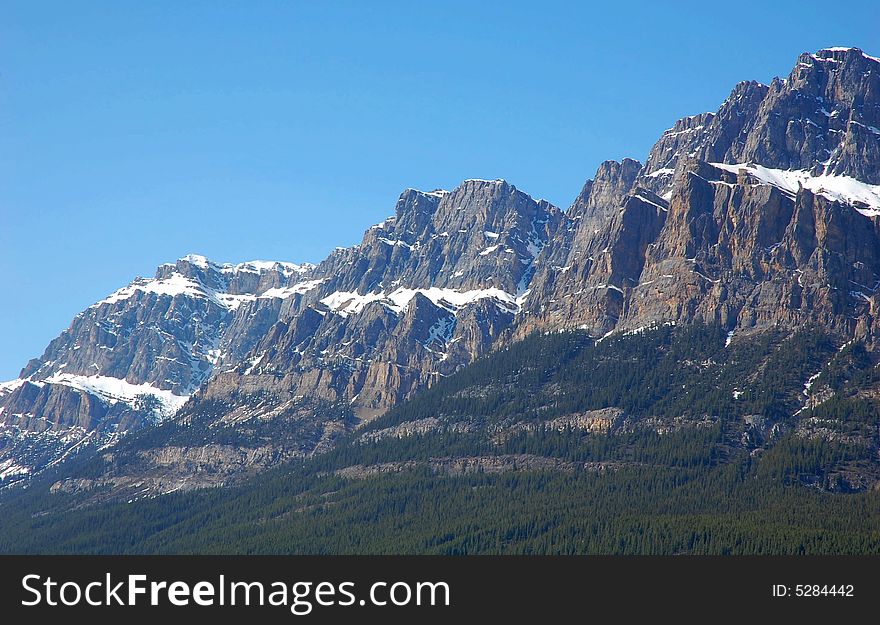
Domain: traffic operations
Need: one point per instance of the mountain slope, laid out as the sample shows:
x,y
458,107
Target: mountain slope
x,y
314,348
668,441
424,293
134,358
792,239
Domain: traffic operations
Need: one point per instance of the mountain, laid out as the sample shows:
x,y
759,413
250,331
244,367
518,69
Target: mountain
x,y
761,214
134,358
425,292
295,354
755,223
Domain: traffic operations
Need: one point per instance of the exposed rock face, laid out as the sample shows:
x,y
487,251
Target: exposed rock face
x,y
425,292
601,196
589,291
820,118
569,287
484,234
791,239
172,469
746,254
134,358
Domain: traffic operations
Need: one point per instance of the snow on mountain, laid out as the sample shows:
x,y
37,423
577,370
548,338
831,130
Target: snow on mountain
x,y
345,303
114,390
11,385
865,198
8,469
296,289
844,49
179,284
253,266
259,266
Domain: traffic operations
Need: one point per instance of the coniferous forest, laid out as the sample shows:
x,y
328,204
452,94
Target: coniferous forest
x,y
668,441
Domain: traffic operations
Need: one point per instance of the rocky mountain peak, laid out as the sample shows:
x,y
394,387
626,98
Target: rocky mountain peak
x,y
414,211
842,55
823,118
691,234
706,136
426,291
135,357
612,181
483,234
248,278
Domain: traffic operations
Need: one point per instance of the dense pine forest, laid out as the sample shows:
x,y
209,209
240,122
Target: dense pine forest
x,y
715,445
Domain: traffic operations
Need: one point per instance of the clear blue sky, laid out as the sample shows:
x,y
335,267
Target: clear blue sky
x,y
132,133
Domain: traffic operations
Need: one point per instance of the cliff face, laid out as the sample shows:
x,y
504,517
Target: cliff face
x,y
751,255
425,293
761,215
821,118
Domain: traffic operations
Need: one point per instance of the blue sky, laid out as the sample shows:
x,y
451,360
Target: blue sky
x,y
133,133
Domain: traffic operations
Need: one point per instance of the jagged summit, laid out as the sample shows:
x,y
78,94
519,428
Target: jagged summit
x,y
436,192
157,337
838,52
669,238
252,266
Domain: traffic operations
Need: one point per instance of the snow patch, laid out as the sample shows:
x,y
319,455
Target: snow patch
x,y
198,260
846,49
231,302
296,289
650,201
381,226
864,197
175,284
11,385
114,390
672,132
872,129
393,242
253,363
441,331
608,286
250,266
434,193
351,302
809,383
8,468
263,266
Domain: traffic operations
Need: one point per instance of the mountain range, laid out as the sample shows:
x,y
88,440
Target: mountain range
x,y
745,249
